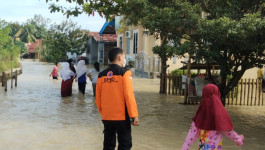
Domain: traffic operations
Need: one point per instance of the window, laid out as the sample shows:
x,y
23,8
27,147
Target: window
x,y
135,42
120,44
128,46
175,60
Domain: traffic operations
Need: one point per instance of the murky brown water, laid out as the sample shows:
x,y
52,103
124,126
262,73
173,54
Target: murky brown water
x,y
33,116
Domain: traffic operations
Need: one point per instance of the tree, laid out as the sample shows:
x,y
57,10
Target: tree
x,y
9,52
162,19
24,33
21,46
40,24
63,38
231,34
233,37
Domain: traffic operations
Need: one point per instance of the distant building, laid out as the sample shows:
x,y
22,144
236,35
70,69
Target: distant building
x,y
32,48
100,43
139,50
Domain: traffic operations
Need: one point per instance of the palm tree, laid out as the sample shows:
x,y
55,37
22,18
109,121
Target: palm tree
x,y
26,33
23,33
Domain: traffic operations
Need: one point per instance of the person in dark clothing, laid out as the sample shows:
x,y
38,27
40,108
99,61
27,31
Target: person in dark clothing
x,y
116,102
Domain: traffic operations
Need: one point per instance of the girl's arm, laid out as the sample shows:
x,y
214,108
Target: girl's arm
x,y
232,135
52,71
191,137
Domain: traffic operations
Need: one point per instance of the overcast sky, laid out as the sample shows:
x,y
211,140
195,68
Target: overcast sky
x,y
21,10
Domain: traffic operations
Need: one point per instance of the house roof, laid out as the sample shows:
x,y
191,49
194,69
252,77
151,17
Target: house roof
x,y
104,37
195,65
108,28
32,47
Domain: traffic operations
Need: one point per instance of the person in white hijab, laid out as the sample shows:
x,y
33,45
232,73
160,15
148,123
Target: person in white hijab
x,y
81,71
66,75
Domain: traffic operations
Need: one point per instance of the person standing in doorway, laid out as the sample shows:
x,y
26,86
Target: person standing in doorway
x,y
81,71
54,72
116,102
93,76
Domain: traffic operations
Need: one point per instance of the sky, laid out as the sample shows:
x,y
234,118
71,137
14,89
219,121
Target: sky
x,y
21,10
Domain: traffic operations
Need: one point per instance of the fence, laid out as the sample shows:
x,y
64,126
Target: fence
x,y
174,85
10,75
247,92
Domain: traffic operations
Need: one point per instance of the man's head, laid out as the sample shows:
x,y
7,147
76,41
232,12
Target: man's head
x,y
117,56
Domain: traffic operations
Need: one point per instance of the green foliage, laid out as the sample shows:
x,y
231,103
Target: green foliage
x,y
63,38
21,46
230,34
9,52
49,58
40,24
179,72
233,37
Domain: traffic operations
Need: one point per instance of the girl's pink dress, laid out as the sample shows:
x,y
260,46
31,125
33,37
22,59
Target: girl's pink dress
x,y
210,140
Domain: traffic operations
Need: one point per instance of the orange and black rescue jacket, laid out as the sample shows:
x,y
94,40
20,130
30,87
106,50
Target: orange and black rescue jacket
x,y
114,94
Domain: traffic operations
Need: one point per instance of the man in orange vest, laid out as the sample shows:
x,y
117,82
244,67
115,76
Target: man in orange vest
x,y
116,102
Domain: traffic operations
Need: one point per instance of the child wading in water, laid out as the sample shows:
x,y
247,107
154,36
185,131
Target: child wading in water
x,y
211,122
81,71
93,76
54,72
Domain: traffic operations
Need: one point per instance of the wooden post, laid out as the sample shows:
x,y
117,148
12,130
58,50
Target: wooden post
x,y
173,84
16,73
237,90
169,83
262,98
188,78
233,93
252,93
248,91
11,77
245,91
256,90
180,85
3,77
165,83
5,81
228,98
260,82
241,91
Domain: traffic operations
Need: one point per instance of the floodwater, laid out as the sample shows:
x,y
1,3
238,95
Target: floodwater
x,y
33,116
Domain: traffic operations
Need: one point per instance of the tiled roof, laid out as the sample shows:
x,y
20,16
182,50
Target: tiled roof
x,y
32,47
104,37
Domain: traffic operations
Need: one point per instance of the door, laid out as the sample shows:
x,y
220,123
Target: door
x,y
107,47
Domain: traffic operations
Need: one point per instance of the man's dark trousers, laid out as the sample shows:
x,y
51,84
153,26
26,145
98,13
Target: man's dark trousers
x,y
123,129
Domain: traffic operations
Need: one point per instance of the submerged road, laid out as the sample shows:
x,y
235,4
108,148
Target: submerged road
x,y
33,116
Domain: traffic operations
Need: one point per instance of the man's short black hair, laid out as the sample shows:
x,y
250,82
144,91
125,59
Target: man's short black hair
x,y
113,53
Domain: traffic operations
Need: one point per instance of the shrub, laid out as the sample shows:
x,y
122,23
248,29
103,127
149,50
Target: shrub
x,y
49,58
179,72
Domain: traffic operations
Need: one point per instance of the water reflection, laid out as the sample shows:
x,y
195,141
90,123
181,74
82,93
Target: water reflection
x,y
34,117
